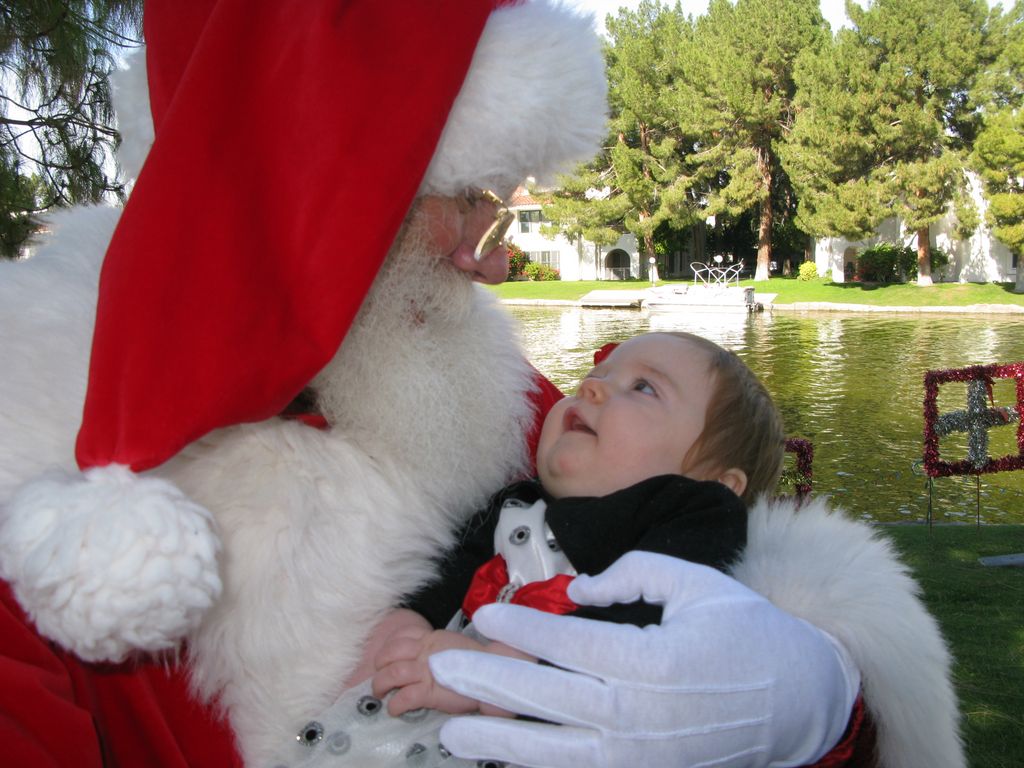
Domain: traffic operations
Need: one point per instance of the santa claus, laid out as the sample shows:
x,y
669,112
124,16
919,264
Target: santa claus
x,y
283,392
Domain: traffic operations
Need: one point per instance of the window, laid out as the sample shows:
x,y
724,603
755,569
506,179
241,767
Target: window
x,y
549,258
529,221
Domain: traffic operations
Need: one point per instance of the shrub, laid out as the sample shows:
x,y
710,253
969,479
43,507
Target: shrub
x,y
535,271
808,271
939,259
885,263
888,263
517,260
906,264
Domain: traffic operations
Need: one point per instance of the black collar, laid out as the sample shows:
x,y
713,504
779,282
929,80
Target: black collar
x,y
700,521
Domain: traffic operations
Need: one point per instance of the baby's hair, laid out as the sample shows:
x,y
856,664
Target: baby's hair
x,y
742,427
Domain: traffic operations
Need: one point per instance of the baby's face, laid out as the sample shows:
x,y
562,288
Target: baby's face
x,y
634,416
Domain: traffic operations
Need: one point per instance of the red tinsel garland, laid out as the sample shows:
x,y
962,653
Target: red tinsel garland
x,y
804,451
933,464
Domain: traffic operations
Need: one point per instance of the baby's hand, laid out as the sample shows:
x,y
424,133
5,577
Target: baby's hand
x,y
402,663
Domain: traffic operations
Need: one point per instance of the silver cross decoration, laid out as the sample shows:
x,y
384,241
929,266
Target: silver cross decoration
x,y
976,421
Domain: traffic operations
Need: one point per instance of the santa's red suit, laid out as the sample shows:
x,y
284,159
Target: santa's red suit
x,y
209,551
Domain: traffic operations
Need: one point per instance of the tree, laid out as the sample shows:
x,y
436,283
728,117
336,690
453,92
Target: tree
x,y
56,124
632,186
734,96
999,149
883,120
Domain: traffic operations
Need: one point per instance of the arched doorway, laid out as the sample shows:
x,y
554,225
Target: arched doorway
x,y
616,265
849,263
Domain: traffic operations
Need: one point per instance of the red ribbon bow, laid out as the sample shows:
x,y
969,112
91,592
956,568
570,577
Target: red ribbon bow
x,y
603,352
490,585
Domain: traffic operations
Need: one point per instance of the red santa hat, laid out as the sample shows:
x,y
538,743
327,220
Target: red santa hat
x,y
289,142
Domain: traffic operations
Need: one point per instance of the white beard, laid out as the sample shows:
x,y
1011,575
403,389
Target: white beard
x,y
324,531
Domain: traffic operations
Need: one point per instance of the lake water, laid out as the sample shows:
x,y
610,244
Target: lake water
x,y
850,383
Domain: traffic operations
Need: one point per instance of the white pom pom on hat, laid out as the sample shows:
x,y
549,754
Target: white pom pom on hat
x,y
108,561
289,144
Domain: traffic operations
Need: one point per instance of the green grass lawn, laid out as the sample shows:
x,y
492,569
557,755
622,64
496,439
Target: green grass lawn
x,y
910,295
558,289
791,290
981,611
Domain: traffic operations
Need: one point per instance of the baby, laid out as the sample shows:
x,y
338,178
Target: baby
x,y
665,442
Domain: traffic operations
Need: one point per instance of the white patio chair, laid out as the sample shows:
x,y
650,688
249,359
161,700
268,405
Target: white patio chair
x,y
732,273
701,273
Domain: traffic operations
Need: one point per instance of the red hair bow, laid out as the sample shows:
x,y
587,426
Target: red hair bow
x,y
604,351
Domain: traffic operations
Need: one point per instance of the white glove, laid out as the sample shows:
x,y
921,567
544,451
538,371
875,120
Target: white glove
x,y
726,679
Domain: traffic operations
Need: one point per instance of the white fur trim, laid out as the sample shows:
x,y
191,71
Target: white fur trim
x,y
130,96
47,309
841,576
533,103
108,562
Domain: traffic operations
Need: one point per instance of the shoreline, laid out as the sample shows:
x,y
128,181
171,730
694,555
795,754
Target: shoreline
x,y
800,306
969,309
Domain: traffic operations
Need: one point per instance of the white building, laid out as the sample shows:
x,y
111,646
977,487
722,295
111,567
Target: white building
x,y
579,260
981,258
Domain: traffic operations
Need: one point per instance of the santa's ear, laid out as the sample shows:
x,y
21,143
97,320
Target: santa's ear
x,y
735,479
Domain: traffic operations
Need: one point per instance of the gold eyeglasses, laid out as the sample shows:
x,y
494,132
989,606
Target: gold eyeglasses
x,y
503,219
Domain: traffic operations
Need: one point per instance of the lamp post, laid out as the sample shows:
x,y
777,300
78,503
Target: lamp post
x,y
654,271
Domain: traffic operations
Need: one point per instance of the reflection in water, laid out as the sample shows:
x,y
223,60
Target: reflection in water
x,y
851,383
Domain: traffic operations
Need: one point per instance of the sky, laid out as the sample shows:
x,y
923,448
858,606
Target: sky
x,y
832,10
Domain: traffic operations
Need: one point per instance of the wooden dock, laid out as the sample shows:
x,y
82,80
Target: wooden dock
x,y
613,299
